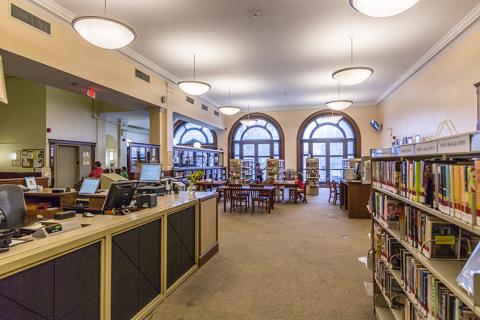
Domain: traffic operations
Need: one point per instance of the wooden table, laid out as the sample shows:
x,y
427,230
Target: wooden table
x,y
289,184
204,185
354,196
250,189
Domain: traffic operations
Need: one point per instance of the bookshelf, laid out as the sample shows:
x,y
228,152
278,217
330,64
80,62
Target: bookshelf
x,y
187,160
312,170
413,177
276,169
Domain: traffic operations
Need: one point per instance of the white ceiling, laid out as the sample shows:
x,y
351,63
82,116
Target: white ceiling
x,y
285,56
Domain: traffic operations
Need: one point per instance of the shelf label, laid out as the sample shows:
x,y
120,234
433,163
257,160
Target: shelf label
x,y
455,144
426,148
376,153
395,151
407,150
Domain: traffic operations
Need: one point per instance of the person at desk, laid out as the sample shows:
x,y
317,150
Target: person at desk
x,y
97,171
300,184
124,172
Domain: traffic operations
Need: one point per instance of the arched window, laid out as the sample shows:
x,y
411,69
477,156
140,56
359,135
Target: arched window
x,y
259,142
186,134
330,138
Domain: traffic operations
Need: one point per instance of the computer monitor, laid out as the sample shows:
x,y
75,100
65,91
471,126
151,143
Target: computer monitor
x,y
119,196
89,186
151,172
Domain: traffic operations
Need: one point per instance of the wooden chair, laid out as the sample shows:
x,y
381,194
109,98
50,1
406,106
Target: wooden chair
x,y
259,197
238,197
301,192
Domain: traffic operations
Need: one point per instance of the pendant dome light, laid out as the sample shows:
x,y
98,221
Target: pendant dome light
x,y
382,8
339,104
194,87
248,122
352,75
229,110
104,32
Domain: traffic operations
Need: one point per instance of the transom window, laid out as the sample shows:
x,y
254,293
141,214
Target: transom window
x,y
330,138
186,134
259,142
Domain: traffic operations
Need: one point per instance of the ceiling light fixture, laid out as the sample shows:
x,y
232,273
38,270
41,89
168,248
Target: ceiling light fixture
x,y
194,87
354,74
382,8
104,32
229,110
339,104
248,122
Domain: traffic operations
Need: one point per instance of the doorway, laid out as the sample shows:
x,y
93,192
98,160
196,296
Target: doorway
x,y
66,174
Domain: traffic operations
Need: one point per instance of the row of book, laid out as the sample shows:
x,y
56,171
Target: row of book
x,y
448,186
432,236
427,298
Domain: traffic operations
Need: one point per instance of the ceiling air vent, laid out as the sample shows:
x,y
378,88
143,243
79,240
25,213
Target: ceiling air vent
x,y
34,21
190,100
141,75
216,113
204,107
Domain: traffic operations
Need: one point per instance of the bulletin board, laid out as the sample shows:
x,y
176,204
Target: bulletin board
x,y
33,158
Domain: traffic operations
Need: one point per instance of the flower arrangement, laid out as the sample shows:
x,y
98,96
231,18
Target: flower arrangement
x,y
196,176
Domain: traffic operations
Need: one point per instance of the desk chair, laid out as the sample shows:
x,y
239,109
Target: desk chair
x,y
12,203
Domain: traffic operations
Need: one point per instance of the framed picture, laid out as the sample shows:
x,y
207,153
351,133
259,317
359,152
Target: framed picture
x,y
86,158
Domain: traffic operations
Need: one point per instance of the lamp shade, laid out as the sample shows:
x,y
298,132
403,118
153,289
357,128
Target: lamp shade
x,y
248,122
382,8
104,32
339,104
193,87
229,110
353,75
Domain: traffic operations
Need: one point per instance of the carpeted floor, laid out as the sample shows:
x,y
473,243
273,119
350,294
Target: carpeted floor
x,y
300,262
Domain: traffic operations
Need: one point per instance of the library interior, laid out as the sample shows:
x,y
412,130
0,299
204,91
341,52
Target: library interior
x,y
254,159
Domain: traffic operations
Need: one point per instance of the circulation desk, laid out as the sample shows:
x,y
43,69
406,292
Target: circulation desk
x,y
113,267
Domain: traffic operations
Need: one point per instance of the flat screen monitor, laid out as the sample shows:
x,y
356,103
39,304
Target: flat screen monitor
x,y
151,172
89,186
120,195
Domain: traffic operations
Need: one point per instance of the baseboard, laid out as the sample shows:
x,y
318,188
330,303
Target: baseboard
x,y
208,255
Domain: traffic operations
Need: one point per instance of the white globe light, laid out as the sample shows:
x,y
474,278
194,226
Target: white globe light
x,y
353,75
104,32
194,88
197,145
248,122
382,8
339,104
229,110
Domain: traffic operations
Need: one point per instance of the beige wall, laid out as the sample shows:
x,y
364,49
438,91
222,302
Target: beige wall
x,y
443,89
22,120
291,119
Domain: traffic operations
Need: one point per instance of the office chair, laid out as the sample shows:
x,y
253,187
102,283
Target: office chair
x,y
12,203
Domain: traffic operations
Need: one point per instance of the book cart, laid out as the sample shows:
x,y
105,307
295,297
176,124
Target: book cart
x,y
241,171
312,169
425,207
276,169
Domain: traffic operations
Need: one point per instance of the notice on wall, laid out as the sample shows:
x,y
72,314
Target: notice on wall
x,y
86,158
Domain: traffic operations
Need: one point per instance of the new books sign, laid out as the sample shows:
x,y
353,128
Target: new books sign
x,y
455,144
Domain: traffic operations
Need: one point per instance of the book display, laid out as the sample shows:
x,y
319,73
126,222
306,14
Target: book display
x,y
241,170
425,229
276,169
312,170
187,160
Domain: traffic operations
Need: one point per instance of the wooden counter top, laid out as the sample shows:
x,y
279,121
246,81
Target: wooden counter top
x,y
99,227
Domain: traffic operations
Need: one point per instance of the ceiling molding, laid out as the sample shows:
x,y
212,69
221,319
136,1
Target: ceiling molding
x,y
68,16
455,32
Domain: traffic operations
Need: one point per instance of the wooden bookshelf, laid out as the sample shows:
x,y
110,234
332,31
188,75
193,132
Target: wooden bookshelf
x,y
462,146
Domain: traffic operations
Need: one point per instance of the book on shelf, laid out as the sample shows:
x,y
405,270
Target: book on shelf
x,y
447,186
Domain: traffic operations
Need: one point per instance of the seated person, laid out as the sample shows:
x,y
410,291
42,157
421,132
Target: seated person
x,y
300,184
124,172
97,171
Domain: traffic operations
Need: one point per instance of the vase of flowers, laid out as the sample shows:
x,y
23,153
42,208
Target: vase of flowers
x,y
192,180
